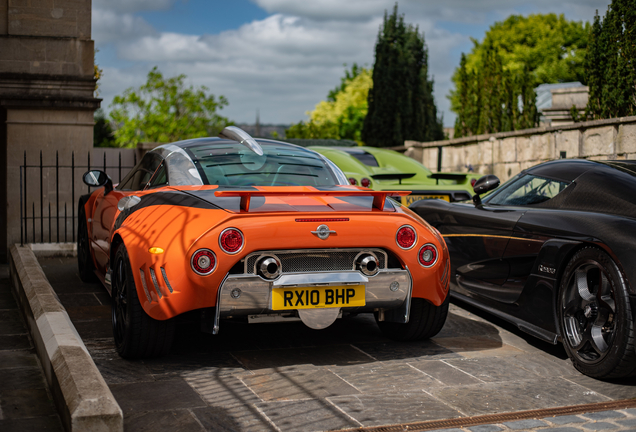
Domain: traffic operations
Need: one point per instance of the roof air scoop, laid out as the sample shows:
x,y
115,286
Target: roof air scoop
x,y
239,135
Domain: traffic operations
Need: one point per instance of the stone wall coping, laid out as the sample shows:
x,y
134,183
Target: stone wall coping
x,y
82,397
524,132
579,89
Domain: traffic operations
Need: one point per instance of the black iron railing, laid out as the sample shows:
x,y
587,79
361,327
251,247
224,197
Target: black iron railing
x,y
65,175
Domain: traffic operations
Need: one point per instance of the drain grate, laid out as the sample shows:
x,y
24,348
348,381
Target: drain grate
x,y
500,418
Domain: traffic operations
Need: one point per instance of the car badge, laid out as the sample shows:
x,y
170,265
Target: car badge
x,y
323,232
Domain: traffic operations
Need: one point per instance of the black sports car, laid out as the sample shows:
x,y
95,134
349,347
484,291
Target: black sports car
x,y
553,251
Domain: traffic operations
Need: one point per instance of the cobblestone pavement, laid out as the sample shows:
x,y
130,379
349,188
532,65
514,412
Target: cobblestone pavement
x,y
287,377
621,420
25,402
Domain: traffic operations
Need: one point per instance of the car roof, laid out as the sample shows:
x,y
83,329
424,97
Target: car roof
x,y
569,170
566,170
220,141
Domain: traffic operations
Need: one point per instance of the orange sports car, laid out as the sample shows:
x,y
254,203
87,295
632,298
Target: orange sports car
x,y
261,230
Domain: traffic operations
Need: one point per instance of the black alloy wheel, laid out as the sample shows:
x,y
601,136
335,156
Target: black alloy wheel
x,y
119,301
136,334
85,264
595,316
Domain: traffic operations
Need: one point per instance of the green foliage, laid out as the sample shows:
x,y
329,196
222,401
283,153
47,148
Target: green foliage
x,y
102,131
401,104
494,83
611,62
164,110
349,76
342,115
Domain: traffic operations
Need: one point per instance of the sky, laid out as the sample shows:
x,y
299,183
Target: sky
x,y
281,57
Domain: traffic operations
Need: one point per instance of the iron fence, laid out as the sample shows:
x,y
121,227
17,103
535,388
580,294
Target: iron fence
x,y
65,176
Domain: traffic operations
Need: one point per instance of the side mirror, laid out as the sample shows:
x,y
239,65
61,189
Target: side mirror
x,y
483,185
98,178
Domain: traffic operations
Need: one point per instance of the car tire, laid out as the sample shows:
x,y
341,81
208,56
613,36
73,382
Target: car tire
x,y
85,264
425,321
136,334
595,316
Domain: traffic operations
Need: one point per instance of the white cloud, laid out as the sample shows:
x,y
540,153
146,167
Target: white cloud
x,y
110,26
451,10
123,6
286,63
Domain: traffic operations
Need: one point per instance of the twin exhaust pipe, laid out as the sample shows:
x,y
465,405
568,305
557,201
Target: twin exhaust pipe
x,y
270,267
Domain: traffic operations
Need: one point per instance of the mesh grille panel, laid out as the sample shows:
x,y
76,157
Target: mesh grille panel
x,y
315,260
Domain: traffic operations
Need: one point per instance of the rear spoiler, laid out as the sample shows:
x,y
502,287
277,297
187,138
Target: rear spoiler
x,y
379,197
458,177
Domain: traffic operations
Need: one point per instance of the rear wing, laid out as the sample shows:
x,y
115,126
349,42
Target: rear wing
x,y
379,197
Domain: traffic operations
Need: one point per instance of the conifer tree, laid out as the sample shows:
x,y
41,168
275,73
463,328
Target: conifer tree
x,y
401,104
611,62
595,66
462,126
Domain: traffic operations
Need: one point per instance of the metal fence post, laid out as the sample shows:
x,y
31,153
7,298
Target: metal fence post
x,y
41,202
21,220
57,194
26,233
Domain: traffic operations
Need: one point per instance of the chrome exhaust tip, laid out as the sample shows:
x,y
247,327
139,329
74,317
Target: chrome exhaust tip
x,y
269,267
367,264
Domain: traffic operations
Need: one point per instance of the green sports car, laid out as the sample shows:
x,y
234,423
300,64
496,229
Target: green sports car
x,y
384,169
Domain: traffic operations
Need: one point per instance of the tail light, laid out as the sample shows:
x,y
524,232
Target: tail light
x,y
231,240
427,255
472,182
365,182
406,237
353,181
203,262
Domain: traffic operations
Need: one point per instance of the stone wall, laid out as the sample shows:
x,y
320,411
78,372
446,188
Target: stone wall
x,y
46,93
507,153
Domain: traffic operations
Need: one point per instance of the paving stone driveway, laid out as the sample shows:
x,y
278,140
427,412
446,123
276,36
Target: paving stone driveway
x,y
287,377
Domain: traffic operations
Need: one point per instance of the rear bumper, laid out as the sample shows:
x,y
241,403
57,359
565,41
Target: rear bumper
x,y
255,292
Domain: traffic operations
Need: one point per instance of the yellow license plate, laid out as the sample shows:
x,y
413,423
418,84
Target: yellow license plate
x,y
410,199
318,297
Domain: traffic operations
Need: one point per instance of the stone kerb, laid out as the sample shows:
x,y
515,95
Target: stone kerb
x,y
83,400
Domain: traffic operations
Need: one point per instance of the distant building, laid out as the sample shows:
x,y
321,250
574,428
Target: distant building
x,y
555,102
264,130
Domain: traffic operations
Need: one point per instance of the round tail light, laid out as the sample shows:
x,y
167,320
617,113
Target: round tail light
x,y
231,240
406,237
427,255
203,262
365,182
353,181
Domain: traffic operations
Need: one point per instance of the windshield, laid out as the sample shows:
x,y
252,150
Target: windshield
x,y
232,164
526,190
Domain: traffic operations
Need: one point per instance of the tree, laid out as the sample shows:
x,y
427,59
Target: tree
x,y
498,76
164,110
102,131
401,104
500,73
611,62
341,116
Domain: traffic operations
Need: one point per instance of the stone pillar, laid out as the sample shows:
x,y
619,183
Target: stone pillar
x,y
46,95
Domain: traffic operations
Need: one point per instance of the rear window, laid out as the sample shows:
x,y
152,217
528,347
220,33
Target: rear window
x,y
235,165
366,158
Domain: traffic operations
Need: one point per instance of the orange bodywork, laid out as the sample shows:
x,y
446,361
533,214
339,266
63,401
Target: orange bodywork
x,y
180,230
